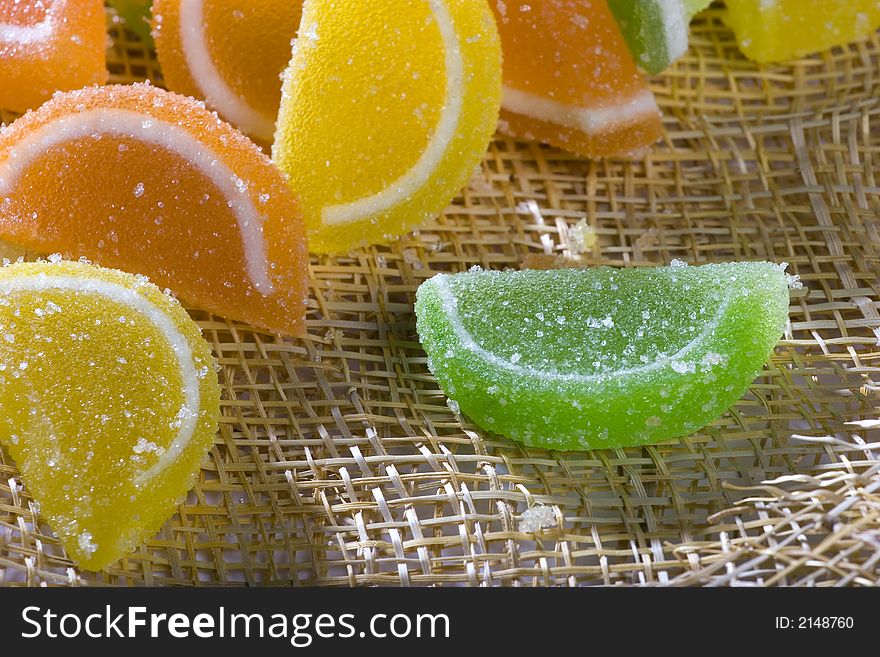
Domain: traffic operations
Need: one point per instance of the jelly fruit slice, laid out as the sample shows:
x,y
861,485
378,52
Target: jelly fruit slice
x,y
387,108
573,360
776,30
47,46
135,15
231,53
108,402
656,30
151,182
570,81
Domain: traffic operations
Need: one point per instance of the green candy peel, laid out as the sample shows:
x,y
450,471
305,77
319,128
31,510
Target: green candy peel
x,y
656,31
136,16
601,358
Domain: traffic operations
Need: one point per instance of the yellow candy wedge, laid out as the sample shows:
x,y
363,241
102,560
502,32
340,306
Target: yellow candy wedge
x,y
108,402
777,30
387,107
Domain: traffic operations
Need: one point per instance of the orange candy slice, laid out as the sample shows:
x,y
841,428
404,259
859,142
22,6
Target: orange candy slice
x,y
144,180
49,45
229,52
569,79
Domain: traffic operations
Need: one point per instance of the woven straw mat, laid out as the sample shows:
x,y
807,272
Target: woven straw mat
x,y
338,461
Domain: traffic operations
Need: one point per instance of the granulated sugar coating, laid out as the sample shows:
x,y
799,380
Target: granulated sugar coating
x,y
537,518
584,359
108,401
569,79
231,53
151,182
387,107
47,45
776,30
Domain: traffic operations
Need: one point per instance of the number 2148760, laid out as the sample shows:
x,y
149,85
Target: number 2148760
x,y
814,623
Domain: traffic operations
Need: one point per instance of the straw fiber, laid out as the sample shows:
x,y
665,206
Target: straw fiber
x,y
338,461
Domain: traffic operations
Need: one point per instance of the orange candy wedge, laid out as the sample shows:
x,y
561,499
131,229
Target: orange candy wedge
x,y
570,81
230,53
138,178
49,45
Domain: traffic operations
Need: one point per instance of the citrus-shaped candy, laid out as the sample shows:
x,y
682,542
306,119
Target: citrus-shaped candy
x,y
135,15
586,359
108,402
569,79
656,30
231,53
49,45
388,105
151,182
776,30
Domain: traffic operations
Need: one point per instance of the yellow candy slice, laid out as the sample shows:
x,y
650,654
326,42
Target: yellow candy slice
x,y
776,30
108,402
387,107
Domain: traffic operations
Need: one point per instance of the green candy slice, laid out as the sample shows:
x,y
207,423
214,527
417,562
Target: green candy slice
x,y
136,15
656,30
586,359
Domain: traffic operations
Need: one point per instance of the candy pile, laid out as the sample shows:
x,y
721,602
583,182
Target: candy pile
x,y
376,113
386,107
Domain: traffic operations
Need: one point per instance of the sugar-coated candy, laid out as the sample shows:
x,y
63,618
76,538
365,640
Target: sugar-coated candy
x,y
142,179
48,46
108,402
570,80
231,53
584,359
776,30
656,30
387,107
